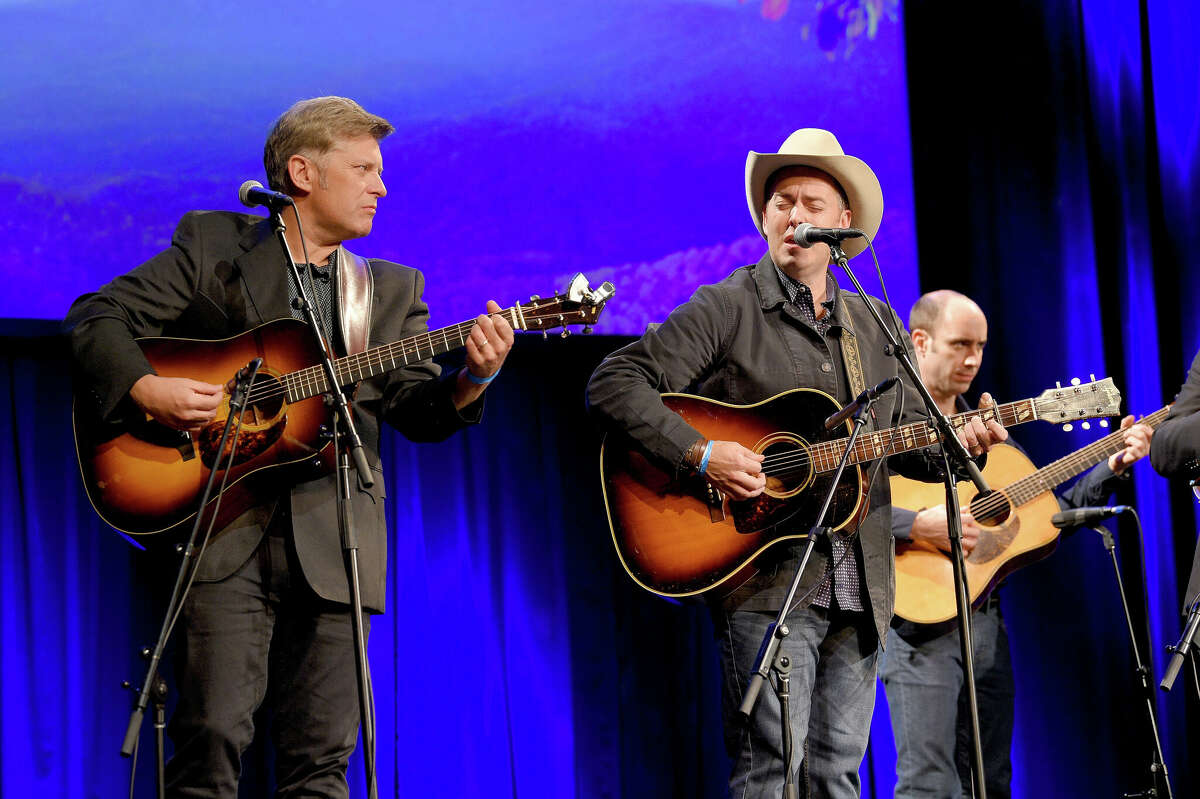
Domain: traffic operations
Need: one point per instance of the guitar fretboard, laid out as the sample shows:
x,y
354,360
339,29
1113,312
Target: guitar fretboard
x,y
872,446
1055,474
311,381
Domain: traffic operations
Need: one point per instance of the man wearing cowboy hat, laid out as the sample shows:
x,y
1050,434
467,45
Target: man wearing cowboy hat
x,y
769,327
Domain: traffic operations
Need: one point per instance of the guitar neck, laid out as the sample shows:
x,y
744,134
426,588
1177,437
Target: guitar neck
x,y
311,381
1055,474
872,446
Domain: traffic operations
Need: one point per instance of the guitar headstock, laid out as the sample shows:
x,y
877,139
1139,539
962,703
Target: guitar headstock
x,y
577,305
1079,401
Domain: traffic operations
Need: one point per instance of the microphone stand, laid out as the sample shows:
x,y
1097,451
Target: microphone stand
x,y
952,448
153,684
352,451
1159,764
770,658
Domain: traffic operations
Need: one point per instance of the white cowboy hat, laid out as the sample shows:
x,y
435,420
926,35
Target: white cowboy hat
x,y
819,149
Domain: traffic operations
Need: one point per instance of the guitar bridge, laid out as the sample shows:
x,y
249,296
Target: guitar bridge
x,y
716,503
160,435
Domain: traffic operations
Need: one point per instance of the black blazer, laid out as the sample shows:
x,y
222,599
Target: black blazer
x,y
223,274
1175,452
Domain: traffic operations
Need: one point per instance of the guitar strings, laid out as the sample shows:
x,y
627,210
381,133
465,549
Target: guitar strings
x,y
314,375
1013,495
799,459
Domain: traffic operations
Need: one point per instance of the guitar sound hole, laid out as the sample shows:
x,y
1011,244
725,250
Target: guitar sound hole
x,y
262,425
787,463
991,509
269,407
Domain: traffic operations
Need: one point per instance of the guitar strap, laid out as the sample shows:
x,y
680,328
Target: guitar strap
x,y
356,290
850,355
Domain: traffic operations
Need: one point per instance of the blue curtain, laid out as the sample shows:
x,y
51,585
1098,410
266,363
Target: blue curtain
x,y
1055,153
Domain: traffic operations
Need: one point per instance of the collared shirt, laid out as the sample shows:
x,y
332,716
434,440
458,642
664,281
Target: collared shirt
x,y
801,296
846,583
322,283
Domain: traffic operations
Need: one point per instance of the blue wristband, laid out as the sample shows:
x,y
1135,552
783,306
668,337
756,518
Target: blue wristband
x,y
481,381
704,460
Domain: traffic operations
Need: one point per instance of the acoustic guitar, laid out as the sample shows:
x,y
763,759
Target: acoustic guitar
x,y
1014,521
680,538
144,478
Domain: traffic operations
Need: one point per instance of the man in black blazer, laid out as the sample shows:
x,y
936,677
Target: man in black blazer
x,y
1175,452
268,617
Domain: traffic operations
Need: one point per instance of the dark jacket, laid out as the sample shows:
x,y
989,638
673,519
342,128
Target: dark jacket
x,y
1175,452
740,341
1175,448
223,274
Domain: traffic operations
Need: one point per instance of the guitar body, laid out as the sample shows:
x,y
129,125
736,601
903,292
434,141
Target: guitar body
x,y
680,538
145,478
925,575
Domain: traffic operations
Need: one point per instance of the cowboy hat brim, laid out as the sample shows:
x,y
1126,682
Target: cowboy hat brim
x,y
820,150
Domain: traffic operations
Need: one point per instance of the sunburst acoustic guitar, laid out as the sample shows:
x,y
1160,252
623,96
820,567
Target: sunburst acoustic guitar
x,y
683,538
1014,521
145,478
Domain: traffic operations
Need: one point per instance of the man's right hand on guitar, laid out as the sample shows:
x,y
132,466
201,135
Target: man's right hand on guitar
x,y
735,470
177,401
930,528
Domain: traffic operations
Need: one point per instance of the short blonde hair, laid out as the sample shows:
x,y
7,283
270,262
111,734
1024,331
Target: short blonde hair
x,y
309,128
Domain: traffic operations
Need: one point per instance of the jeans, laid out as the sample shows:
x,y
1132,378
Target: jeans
x,y
832,679
263,635
924,683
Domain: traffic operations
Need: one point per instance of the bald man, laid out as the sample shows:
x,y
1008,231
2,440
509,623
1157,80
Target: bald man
x,y
922,668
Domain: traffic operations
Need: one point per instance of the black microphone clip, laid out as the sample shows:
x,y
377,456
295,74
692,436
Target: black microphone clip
x,y
241,383
862,400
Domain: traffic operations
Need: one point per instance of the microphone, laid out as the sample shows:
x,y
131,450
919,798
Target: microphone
x,y
241,383
861,400
252,194
1084,516
807,235
1180,650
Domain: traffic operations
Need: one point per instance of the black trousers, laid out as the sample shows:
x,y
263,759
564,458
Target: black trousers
x,y
262,635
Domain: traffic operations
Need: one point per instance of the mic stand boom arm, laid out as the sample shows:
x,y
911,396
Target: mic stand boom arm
x,y
952,450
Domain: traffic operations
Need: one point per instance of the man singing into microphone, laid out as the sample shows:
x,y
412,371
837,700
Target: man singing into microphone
x,y
770,327
268,617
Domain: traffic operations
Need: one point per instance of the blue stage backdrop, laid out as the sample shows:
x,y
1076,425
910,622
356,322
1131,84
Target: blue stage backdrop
x,y
533,139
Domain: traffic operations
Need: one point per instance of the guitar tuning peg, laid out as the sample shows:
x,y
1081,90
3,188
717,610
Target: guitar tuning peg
x,y
1074,381
1093,376
565,333
1104,423
587,330
1058,384
534,297
1086,425
545,335
1068,427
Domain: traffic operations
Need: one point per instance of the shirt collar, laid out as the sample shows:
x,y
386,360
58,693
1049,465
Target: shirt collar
x,y
772,293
